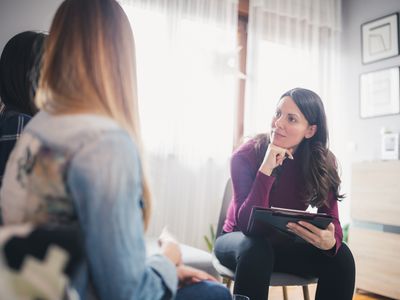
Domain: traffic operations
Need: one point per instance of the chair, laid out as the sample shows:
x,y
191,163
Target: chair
x,y
39,263
277,279
191,256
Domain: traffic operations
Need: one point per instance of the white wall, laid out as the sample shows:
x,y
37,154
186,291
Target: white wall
x,y
352,138
21,15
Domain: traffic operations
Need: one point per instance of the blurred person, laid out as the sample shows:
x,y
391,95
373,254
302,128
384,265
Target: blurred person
x,y
19,74
79,161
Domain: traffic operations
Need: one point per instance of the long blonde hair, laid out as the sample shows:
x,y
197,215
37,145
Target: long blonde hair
x,y
89,66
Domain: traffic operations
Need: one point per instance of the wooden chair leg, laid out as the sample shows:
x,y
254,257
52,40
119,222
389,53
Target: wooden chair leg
x,y
285,295
306,293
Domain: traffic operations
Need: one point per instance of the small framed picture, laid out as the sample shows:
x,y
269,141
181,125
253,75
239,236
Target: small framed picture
x,y
390,146
380,93
380,38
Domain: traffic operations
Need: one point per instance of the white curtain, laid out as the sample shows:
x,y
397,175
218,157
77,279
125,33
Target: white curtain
x,y
187,80
291,43
295,43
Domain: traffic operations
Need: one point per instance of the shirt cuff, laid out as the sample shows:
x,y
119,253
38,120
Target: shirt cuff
x,y
167,271
268,180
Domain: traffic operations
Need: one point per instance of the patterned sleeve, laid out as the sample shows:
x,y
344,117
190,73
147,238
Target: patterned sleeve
x,y
105,183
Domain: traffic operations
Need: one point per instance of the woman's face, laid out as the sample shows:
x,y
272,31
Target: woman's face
x,y
289,126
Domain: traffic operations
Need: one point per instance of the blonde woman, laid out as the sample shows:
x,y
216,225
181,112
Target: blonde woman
x,y
78,161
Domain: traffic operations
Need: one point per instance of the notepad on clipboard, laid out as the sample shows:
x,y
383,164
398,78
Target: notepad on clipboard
x,y
272,221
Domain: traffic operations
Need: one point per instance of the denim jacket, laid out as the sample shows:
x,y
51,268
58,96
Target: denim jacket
x,y
85,169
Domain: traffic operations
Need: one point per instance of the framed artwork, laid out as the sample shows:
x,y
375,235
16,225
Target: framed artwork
x,y
380,38
390,146
379,93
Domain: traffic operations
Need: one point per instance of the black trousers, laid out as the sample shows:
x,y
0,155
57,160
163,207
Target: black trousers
x,y
255,258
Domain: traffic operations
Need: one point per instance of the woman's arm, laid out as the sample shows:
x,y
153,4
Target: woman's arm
x,y
333,211
251,187
104,180
251,183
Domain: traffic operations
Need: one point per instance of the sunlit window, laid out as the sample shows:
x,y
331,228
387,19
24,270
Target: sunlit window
x,y
279,69
187,84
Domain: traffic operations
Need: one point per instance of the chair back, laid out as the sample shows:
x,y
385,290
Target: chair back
x,y
224,206
36,244
40,262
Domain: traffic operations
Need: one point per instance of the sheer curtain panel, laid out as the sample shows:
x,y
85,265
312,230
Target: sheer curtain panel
x,y
187,81
296,43
291,43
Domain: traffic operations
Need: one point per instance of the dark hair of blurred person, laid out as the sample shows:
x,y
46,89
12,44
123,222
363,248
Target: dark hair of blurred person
x,y
19,73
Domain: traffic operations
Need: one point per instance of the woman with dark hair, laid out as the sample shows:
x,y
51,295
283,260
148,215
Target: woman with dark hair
x,y
293,168
19,73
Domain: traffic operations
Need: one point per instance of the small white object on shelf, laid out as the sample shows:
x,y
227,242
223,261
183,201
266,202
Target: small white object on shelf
x,y
390,146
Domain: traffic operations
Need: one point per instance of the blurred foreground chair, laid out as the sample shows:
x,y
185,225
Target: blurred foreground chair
x,y
191,256
277,279
39,263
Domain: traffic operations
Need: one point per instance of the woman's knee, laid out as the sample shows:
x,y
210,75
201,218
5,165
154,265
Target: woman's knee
x,y
233,249
256,250
337,278
341,266
345,261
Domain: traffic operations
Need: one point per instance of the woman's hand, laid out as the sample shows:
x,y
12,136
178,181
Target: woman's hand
x,y
170,247
321,238
274,157
188,275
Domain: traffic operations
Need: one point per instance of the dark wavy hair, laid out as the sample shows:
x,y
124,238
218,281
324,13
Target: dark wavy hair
x,y
319,167
20,64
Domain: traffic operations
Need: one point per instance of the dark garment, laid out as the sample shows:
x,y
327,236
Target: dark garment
x,y
255,258
203,290
284,188
36,244
19,71
11,126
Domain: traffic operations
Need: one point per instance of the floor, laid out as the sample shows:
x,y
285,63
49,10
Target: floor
x,y
296,293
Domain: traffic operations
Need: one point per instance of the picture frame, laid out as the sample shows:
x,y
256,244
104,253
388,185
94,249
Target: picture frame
x,y
380,93
390,146
380,38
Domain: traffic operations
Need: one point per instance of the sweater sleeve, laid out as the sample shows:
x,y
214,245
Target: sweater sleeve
x,y
333,211
248,191
105,183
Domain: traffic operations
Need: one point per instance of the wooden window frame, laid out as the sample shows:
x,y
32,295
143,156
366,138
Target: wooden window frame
x,y
243,16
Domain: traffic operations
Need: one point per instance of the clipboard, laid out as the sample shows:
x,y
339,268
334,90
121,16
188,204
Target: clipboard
x,y
272,222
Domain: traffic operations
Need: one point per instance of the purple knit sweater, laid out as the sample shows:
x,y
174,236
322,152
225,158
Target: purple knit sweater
x,y
253,188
